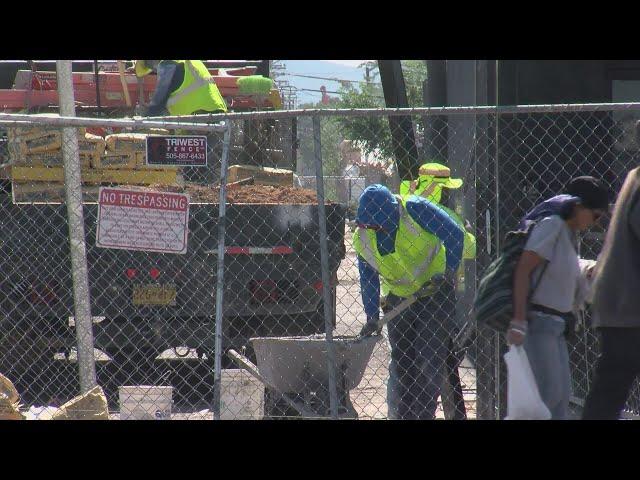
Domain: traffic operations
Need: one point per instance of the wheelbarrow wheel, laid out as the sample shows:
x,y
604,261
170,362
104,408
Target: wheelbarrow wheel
x,y
276,408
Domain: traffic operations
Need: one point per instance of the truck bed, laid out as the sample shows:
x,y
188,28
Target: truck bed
x,y
267,292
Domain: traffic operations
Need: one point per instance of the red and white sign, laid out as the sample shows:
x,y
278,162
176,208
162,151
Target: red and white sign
x,y
139,220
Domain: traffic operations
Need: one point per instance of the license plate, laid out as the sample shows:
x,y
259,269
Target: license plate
x,y
154,295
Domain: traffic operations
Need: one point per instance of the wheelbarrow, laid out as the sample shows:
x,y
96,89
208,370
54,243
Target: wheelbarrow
x,y
296,367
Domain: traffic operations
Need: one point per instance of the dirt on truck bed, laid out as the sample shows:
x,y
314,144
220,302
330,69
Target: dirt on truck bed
x,y
243,193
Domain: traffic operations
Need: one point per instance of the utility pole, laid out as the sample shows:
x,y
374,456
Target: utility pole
x,y
368,68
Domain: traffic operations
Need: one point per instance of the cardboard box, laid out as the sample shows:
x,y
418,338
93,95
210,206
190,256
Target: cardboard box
x,y
129,161
53,159
88,406
91,144
35,130
126,142
261,175
32,180
118,160
21,134
46,142
9,410
21,153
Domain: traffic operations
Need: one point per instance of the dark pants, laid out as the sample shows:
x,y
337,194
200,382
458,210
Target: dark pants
x,y
616,369
420,343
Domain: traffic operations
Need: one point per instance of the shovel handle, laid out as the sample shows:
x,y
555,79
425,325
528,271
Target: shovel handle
x,y
407,302
397,310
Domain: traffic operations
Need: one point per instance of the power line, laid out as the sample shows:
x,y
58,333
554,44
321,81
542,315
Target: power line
x,y
331,79
328,91
311,90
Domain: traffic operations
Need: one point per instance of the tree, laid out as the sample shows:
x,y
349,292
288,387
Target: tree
x,y
331,137
372,134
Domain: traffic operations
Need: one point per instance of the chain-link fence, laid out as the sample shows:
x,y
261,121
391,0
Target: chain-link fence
x,y
252,307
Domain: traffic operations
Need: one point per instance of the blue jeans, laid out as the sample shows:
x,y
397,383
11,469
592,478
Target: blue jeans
x,y
546,349
419,346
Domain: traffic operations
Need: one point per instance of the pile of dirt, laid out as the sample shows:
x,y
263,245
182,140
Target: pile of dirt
x,y
270,194
259,194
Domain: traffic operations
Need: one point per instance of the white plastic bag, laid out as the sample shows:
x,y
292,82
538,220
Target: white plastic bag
x,y
523,398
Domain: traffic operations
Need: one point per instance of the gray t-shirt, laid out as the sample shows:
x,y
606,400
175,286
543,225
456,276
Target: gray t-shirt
x,y
553,240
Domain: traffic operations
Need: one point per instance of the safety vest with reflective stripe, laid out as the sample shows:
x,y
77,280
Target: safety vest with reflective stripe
x,y
469,246
197,91
418,256
421,187
427,190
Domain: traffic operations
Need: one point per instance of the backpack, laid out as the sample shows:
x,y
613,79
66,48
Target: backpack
x,y
493,304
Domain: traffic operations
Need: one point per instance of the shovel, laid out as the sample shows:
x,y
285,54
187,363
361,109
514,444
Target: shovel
x,y
427,289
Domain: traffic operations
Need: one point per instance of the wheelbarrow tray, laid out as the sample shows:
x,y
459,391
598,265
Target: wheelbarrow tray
x,y
282,361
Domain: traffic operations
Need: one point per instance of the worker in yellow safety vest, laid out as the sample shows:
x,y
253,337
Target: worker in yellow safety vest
x,y
432,179
184,87
402,246
434,183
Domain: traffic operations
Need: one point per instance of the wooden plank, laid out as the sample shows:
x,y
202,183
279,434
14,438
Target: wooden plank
x,y
95,176
51,159
262,175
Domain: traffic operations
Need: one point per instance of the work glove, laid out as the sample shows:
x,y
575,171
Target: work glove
x,y
370,328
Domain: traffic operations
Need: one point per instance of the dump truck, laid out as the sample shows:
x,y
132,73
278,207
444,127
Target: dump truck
x,y
144,303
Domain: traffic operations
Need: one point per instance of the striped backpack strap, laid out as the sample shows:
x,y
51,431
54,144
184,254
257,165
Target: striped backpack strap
x,y
493,304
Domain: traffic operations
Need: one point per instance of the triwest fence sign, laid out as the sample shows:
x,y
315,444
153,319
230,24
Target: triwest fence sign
x,y
140,220
178,150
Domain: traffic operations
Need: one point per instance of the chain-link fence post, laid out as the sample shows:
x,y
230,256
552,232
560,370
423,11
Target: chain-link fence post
x,y
484,345
217,375
326,277
73,192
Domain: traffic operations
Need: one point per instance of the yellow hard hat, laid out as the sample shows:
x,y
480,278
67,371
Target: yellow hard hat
x,y
441,174
142,69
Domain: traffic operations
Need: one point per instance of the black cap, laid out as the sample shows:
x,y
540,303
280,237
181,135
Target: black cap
x,y
592,192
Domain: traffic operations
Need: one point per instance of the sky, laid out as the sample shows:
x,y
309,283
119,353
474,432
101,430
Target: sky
x,y
342,69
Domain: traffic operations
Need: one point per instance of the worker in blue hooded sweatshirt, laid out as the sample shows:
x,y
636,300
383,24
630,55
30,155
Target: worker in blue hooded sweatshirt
x,y
402,244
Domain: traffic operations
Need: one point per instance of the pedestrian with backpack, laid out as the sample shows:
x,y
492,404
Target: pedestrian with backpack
x,y
546,285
